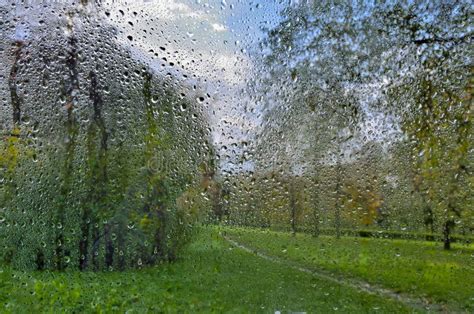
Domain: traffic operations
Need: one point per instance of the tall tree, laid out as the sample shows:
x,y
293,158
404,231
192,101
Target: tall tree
x,y
331,52
71,90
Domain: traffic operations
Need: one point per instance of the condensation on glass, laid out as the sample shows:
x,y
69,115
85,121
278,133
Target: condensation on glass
x,y
125,124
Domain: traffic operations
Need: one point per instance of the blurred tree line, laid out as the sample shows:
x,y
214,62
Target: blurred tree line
x,y
368,121
102,161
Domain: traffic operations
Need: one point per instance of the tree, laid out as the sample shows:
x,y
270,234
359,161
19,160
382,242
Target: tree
x,y
440,120
333,58
97,135
94,178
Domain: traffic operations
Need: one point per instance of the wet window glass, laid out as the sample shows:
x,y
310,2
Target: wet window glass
x,y
210,156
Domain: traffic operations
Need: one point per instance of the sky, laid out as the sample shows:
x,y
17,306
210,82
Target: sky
x,y
213,46
216,43
209,45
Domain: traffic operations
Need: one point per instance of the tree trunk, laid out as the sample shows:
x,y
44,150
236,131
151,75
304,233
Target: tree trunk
x,y
40,260
95,246
109,246
447,234
429,222
292,209
159,249
72,86
97,161
84,242
12,84
315,230
337,212
315,201
121,247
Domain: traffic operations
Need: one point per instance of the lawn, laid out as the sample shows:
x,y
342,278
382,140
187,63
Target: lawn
x,y
210,277
416,268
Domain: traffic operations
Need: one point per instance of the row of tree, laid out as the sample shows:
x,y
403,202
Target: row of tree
x,y
101,167
368,120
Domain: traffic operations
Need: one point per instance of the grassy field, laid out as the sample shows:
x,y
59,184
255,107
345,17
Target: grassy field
x,y
416,268
212,277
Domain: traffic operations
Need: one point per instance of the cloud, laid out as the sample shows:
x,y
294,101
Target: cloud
x,y
187,40
163,9
218,27
201,46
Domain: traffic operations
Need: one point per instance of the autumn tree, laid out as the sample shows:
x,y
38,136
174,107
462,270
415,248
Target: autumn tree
x,y
439,120
405,60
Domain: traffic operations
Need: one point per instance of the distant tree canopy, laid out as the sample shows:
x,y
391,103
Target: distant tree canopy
x,y
342,77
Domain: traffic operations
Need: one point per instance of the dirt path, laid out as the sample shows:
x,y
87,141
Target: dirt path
x,y
413,302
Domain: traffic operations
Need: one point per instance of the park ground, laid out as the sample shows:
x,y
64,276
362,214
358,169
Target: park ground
x,y
241,270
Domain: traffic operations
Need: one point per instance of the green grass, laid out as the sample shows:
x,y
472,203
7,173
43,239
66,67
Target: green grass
x,y
418,268
212,277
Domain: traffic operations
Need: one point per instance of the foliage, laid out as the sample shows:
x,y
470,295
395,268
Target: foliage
x,y
370,104
95,184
